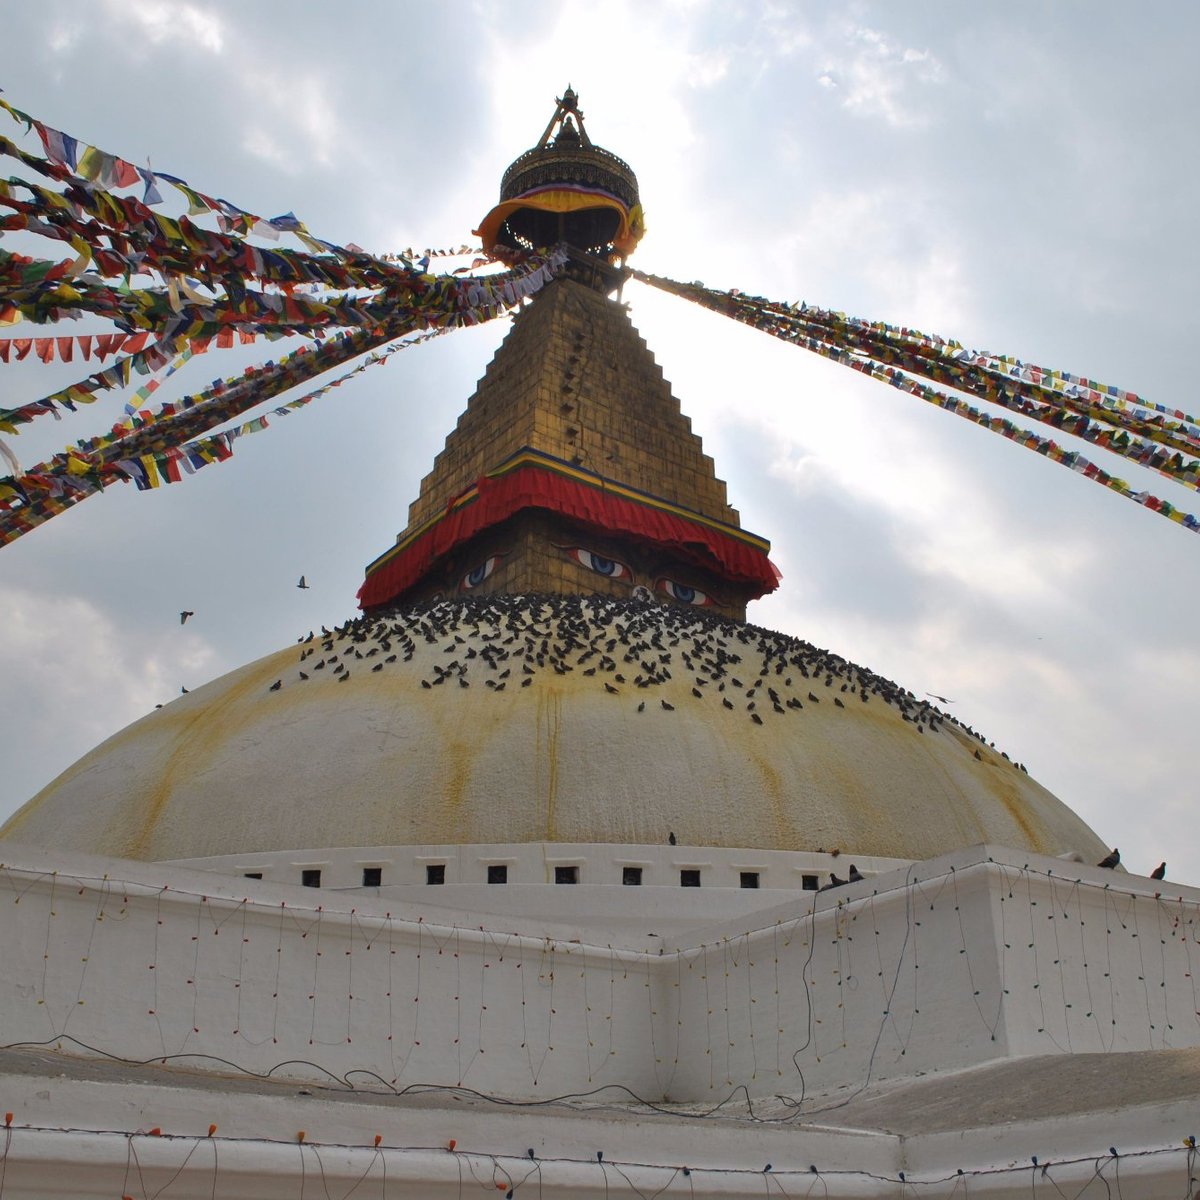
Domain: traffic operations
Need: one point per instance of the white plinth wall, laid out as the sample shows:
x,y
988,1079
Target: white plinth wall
x,y
300,1000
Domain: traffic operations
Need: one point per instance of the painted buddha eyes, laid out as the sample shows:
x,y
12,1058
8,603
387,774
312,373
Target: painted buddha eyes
x,y
684,593
598,563
681,593
472,579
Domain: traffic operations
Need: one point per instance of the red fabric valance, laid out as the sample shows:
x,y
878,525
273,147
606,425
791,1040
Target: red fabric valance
x,y
495,498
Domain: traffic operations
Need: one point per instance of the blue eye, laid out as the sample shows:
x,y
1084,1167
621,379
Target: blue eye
x,y
598,563
472,579
685,593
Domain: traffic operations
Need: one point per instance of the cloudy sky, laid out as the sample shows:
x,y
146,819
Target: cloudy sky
x,y
1022,177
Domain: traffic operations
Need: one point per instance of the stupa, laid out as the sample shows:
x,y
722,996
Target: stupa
x,y
319,903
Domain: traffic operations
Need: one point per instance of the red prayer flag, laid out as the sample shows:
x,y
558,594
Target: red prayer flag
x,y
85,346
5,347
66,348
44,348
22,346
135,342
125,173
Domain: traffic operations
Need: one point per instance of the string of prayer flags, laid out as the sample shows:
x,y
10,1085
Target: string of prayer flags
x,y
109,170
1116,421
149,447
193,455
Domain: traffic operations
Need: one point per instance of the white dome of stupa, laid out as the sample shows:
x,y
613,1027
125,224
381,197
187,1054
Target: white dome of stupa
x,y
510,719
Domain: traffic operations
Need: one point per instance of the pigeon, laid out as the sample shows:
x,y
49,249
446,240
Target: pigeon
x,y
183,692
1110,860
276,686
303,582
855,874
1159,872
834,882
183,616
671,838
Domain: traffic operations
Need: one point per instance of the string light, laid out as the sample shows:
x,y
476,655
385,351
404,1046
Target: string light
x,y
356,1164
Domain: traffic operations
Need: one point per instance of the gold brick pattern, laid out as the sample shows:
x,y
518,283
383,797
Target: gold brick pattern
x,y
574,379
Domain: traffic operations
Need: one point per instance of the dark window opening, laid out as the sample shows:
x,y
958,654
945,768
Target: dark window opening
x,y
749,879
311,877
435,872
497,873
372,876
253,874
566,874
809,883
689,877
631,876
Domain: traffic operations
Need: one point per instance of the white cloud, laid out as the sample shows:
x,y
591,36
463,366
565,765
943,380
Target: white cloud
x,y
63,37
85,674
879,78
159,21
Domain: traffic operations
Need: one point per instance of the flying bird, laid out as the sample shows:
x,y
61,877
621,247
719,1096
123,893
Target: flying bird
x,y
940,699
303,582
1110,860
183,616
1159,872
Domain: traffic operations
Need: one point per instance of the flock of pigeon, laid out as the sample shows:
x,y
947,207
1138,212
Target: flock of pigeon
x,y
502,641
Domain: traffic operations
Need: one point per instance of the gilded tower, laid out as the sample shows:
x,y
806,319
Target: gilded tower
x,y
573,469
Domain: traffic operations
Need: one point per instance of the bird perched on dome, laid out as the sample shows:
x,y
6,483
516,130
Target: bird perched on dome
x,y
1110,860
